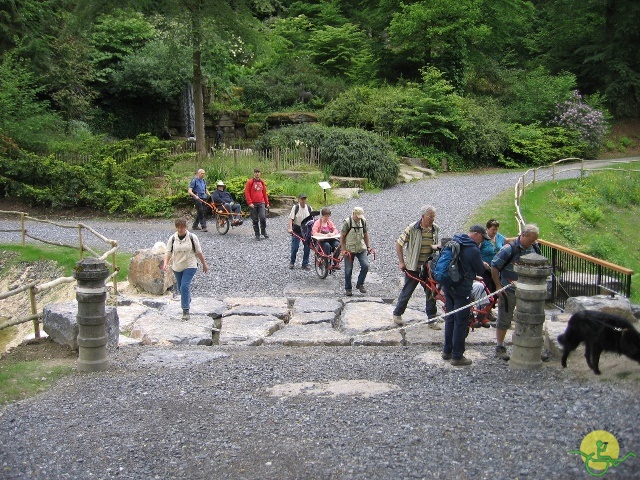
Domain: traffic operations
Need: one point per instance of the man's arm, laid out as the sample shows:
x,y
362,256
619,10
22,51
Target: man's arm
x,y
495,275
400,254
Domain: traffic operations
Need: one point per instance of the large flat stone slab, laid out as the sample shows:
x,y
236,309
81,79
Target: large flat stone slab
x,y
363,317
154,328
233,302
248,329
281,313
129,314
316,304
60,322
312,317
379,339
321,334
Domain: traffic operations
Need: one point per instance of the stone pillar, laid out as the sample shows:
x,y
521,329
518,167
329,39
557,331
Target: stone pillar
x,y
531,295
91,294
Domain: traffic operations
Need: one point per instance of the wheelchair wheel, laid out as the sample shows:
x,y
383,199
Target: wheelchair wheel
x,y
321,265
222,224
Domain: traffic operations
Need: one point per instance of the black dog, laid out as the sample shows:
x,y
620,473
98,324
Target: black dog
x,y
600,332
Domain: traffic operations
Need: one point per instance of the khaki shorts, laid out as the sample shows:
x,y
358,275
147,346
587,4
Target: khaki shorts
x,y
506,317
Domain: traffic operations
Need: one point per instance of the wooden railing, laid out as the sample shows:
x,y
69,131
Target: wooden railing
x,y
34,288
574,273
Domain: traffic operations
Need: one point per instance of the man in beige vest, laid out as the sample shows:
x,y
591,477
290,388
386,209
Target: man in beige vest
x,y
354,243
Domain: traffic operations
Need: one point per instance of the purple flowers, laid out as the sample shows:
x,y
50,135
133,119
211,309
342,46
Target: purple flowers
x,y
590,123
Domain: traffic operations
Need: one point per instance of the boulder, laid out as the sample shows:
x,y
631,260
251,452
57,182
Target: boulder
x,y
60,323
617,305
145,272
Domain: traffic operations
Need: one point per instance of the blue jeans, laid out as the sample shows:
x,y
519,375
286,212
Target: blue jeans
x,y
405,294
329,246
183,281
455,326
235,209
348,268
295,244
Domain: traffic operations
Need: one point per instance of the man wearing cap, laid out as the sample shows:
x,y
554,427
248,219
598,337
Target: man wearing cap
x,y
413,249
503,273
354,243
298,213
198,190
223,197
458,295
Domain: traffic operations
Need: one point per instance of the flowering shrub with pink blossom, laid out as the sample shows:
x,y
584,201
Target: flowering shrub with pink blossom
x,y
574,114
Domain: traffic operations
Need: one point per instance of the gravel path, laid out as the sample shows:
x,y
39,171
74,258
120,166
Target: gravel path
x,y
203,413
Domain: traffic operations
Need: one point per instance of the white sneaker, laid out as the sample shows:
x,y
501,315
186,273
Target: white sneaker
x,y
185,316
397,319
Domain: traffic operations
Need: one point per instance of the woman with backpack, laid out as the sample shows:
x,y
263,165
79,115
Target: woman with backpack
x,y
183,247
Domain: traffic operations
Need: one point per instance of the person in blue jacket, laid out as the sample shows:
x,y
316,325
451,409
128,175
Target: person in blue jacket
x,y
459,294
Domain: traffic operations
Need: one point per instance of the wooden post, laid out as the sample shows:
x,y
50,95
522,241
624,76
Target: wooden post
x,y
24,243
34,311
115,269
80,241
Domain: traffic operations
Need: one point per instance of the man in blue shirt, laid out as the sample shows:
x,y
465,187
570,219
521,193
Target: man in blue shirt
x,y
503,274
198,190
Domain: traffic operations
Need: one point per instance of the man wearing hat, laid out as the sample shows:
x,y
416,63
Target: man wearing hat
x,y
354,243
223,197
458,295
298,213
503,274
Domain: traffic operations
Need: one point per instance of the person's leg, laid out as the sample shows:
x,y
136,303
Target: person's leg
x,y
405,294
506,307
460,325
254,219
196,221
295,244
348,270
364,268
237,212
185,288
202,217
262,211
306,249
335,247
447,348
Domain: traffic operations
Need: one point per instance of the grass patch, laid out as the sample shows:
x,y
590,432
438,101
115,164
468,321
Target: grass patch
x,y
63,256
25,379
598,215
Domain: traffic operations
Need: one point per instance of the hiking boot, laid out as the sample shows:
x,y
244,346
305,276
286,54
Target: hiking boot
x,y
291,265
265,235
434,326
348,293
397,319
461,362
306,267
204,229
501,352
258,238
195,227
446,356
185,316
361,288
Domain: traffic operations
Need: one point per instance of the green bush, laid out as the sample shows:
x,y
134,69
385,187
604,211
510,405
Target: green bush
x,y
536,145
482,135
348,152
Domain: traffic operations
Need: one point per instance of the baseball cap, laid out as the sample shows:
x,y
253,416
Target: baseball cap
x,y
358,212
302,195
480,229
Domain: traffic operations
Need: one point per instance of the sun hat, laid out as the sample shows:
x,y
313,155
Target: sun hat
x,y
220,184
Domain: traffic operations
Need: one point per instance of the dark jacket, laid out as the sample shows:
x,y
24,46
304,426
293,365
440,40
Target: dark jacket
x,y
470,261
221,196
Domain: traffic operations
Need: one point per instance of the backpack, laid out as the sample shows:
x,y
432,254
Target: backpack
x,y
350,219
447,270
173,239
307,227
514,246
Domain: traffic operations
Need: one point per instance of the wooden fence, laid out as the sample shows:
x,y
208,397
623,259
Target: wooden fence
x,y
33,288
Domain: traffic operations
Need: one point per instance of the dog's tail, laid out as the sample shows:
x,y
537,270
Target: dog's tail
x,y
561,339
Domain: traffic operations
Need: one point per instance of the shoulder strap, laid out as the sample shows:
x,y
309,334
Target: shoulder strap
x,y
193,245
173,239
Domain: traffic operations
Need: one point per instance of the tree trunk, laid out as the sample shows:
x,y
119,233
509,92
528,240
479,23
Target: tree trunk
x,y
198,97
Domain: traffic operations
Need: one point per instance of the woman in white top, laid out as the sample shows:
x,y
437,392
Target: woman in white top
x,y
185,249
